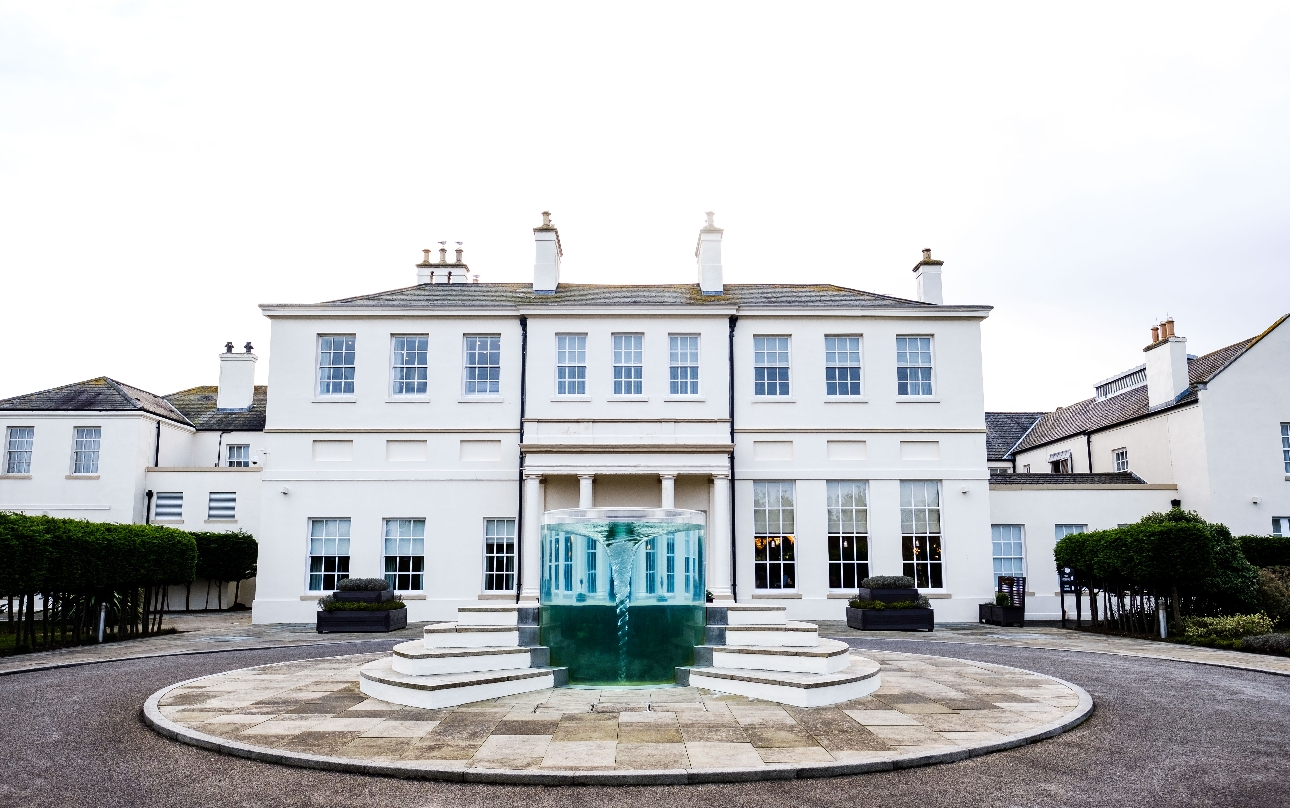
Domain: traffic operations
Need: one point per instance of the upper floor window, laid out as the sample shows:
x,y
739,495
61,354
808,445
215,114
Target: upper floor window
x,y
483,364
920,527
628,364
774,562
571,364
239,456
17,456
405,554
409,366
1062,531
1285,446
1121,459
770,366
683,365
85,450
336,365
913,366
1008,551
842,366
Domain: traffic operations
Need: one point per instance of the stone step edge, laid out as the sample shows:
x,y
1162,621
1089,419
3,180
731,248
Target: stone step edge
x,y
747,607
449,681
419,651
776,678
791,625
465,628
826,648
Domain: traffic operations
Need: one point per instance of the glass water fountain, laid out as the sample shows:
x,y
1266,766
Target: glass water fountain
x,y
622,593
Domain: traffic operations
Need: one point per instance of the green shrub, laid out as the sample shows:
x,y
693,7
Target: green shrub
x,y
1002,599
1232,627
1266,551
1266,644
363,585
921,603
1274,594
887,582
330,604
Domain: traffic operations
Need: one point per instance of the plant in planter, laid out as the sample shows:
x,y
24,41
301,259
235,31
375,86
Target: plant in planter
x,y
891,603
1009,607
362,604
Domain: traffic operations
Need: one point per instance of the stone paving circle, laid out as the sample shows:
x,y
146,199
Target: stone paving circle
x,y
310,713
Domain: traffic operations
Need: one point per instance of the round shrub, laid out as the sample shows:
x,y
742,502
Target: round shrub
x,y
1232,627
363,585
887,582
1266,644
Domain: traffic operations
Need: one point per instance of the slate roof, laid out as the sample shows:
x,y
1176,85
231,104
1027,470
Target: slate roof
x,y
503,295
198,406
1091,415
1004,429
96,395
1113,478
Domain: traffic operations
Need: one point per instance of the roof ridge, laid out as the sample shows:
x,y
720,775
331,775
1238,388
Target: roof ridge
x,y
52,389
1249,343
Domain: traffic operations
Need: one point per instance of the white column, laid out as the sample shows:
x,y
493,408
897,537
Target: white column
x,y
530,541
586,497
718,539
669,490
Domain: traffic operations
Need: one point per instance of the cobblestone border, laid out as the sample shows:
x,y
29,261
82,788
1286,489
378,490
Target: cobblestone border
x,y
427,771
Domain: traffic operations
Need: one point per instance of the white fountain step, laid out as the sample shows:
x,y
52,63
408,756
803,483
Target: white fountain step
x,y
455,635
752,614
792,633
859,679
489,615
830,656
414,659
380,681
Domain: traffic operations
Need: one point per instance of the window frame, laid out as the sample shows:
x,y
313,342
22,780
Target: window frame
x,y
858,381
212,502
767,542
10,451
930,381
579,349
466,367
92,454
171,497
1017,542
1285,445
412,573
859,538
511,570
1281,526
319,382
1120,459
337,574
787,377
674,365
237,463
423,380
932,545
619,352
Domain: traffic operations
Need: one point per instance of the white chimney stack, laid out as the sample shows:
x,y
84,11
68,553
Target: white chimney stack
x,y
546,269
708,253
1167,376
455,271
927,276
236,379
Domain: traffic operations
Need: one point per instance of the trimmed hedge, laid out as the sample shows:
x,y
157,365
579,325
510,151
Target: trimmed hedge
x,y
225,557
363,585
887,582
1266,551
1266,643
330,604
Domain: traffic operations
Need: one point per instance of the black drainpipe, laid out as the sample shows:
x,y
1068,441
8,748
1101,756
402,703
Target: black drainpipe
x,y
734,545
519,520
219,447
1088,448
147,508
156,451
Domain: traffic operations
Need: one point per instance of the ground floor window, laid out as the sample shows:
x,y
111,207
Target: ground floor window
x,y
1008,550
920,527
222,505
170,505
1281,526
405,554
848,506
328,553
774,562
499,555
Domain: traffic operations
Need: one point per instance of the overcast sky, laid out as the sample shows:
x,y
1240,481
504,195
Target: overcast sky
x,y
1085,169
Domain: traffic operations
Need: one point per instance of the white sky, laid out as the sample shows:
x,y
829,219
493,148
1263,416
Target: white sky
x,y
1084,168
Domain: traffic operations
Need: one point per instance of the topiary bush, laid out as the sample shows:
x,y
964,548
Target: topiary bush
x,y
1232,627
887,582
363,585
1266,644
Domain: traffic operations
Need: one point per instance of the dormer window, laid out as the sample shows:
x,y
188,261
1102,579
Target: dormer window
x,y
1121,459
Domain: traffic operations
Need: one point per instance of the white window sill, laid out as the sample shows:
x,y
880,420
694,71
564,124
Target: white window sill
x,y
774,400
1287,476
409,595
408,400
481,400
571,398
917,400
498,596
841,595
220,522
628,398
845,400
335,400
701,398
28,477
936,595
82,476
773,595
167,521
313,597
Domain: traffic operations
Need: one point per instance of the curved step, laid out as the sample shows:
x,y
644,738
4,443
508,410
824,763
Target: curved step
x,y
742,614
380,681
489,615
791,633
860,678
414,659
457,635
829,656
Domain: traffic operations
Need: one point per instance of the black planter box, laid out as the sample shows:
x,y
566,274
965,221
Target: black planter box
x,y
365,597
888,595
389,620
891,619
1002,615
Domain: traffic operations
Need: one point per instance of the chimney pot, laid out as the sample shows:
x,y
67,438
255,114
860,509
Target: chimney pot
x,y
425,259
1169,322
458,256
927,253
443,255
248,347
1155,334
546,218
228,347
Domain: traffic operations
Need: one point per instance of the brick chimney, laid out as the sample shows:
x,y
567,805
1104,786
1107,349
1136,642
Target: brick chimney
x,y
546,268
1167,377
927,277
708,253
236,379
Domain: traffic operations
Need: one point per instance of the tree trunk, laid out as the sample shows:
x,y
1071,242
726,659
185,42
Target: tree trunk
x,y
237,591
188,591
1173,597
206,606
219,595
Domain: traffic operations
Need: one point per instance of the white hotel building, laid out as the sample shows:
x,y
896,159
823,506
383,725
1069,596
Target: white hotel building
x,y
826,433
